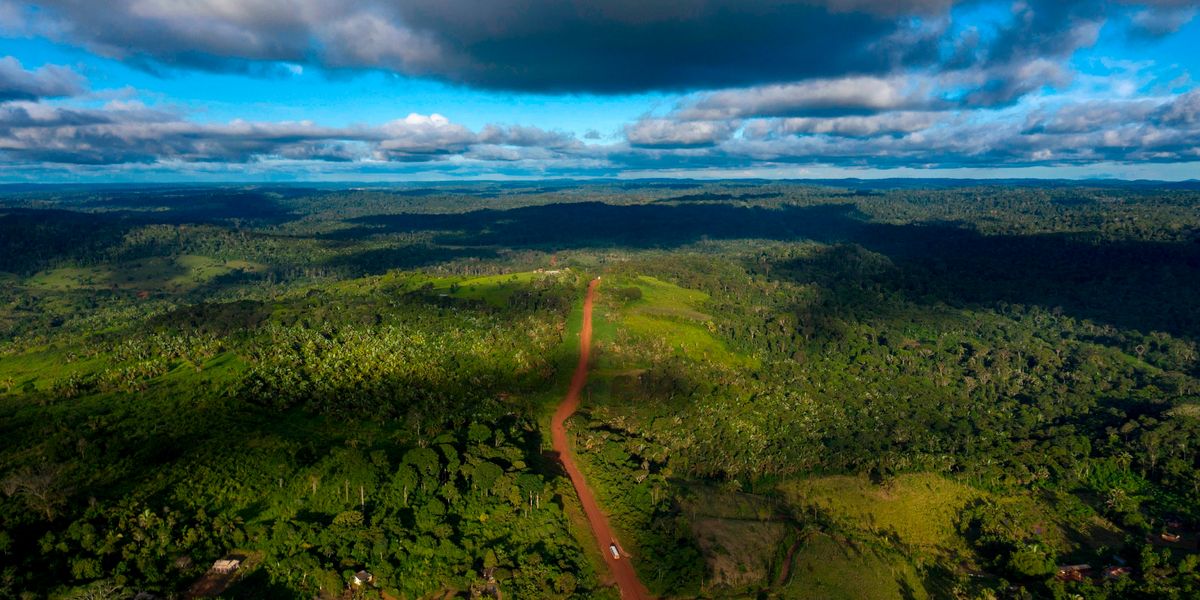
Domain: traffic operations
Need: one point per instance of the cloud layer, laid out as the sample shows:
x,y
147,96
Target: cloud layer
x,y
602,46
123,132
18,83
1131,130
855,83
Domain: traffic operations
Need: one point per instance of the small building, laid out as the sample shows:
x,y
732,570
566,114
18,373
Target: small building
x,y
1116,572
363,578
1073,572
226,565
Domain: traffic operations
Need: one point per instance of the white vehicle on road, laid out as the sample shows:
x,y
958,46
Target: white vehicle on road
x,y
615,553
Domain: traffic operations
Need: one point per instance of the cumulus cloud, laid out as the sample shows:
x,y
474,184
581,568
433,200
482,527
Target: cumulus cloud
x,y
671,133
129,132
1004,84
1089,116
419,137
522,135
1151,130
1182,111
849,95
19,83
125,133
852,126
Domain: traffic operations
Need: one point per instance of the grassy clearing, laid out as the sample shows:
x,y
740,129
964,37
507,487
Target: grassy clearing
x,y
921,509
672,314
830,569
41,367
493,289
179,274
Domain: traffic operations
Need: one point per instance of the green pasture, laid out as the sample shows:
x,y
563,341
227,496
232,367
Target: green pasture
x,y
166,274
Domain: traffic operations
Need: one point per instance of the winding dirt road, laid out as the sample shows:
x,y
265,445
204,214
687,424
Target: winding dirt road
x,y
622,570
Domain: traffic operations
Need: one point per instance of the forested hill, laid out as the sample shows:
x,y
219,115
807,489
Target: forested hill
x,y
875,389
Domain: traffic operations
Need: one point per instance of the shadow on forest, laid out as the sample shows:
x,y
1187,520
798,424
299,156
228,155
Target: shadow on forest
x,y
201,205
258,585
34,238
1141,285
380,260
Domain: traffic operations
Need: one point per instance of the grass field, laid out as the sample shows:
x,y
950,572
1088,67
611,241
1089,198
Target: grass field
x,y
672,314
921,509
493,289
40,367
829,569
179,274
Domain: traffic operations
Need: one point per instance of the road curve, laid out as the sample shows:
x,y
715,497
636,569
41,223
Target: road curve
x,y
622,570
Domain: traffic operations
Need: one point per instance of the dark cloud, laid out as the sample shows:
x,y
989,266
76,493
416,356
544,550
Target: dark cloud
x,y
1051,29
605,46
50,81
598,46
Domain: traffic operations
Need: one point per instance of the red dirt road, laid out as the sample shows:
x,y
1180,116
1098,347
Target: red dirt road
x,y
622,570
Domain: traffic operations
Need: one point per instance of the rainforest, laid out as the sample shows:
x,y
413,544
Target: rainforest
x,y
824,389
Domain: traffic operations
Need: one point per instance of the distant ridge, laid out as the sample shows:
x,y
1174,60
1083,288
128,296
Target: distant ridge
x,y
470,186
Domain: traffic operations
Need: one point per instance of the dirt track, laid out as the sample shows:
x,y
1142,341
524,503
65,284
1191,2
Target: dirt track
x,y
622,570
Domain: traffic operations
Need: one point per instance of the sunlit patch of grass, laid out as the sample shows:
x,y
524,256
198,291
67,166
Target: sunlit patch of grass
x,y
921,509
671,313
492,289
1189,411
42,367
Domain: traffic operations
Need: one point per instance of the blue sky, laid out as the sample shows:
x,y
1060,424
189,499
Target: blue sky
x,y
148,90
